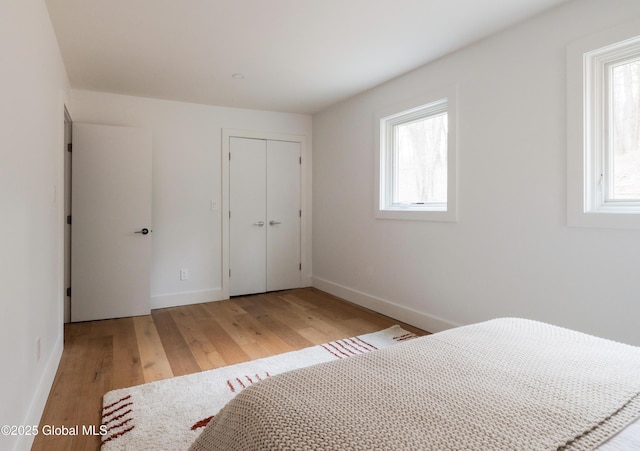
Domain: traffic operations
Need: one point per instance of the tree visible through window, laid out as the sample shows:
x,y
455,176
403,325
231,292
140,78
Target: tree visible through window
x,y
420,169
622,166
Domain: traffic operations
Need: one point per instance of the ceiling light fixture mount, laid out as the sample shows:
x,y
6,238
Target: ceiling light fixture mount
x,y
237,76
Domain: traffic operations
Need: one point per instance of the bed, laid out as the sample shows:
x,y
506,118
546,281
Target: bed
x,y
503,384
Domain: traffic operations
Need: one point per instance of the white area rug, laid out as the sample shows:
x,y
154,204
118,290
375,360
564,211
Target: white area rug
x,y
170,414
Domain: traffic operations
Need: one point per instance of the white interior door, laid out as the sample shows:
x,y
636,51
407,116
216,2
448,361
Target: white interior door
x,y
248,219
111,209
283,215
264,223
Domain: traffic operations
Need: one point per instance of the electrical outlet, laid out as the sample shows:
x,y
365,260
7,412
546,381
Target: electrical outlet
x,y
184,274
38,349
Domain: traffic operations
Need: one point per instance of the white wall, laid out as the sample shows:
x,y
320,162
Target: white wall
x,y
33,87
186,178
511,252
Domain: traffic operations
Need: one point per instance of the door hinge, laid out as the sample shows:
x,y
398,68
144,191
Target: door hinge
x,y
69,219
300,267
69,292
69,147
229,156
300,160
229,272
300,213
229,214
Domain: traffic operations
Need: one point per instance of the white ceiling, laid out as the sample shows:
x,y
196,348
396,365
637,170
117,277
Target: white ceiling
x,y
297,55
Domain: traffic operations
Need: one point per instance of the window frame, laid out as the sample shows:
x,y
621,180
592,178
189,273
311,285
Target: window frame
x,y
431,104
588,61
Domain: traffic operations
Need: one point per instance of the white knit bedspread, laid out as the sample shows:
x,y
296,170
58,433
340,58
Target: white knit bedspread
x,y
506,384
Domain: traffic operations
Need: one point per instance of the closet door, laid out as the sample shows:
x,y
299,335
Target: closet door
x,y
248,224
283,215
264,223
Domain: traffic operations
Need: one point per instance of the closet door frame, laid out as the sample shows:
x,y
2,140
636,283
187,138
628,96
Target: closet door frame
x,y
305,200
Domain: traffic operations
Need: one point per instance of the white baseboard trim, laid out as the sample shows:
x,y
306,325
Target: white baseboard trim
x,y
39,400
186,298
406,315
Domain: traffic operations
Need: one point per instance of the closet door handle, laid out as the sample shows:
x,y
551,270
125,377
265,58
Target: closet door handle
x,y
272,222
259,223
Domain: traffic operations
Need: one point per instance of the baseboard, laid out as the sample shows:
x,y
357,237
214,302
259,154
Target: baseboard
x,y
39,400
186,298
388,308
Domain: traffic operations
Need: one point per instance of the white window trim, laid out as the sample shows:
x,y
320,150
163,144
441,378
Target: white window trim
x,y
586,206
433,212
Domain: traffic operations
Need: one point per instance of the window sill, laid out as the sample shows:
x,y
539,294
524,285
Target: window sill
x,y
417,214
609,220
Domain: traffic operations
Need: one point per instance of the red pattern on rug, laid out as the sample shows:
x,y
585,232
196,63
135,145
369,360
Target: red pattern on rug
x,y
202,423
348,347
248,380
241,382
111,415
408,336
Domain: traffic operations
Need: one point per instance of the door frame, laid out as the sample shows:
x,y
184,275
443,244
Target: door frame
x,y
67,170
305,200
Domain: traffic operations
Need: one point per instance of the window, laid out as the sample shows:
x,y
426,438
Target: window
x,y
622,154
612,81
416,164
604,130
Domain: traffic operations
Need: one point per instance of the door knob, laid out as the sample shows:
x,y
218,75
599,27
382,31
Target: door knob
x,y
143,231
259,223
272,222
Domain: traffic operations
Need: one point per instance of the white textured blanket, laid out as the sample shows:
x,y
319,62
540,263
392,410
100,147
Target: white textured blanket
x,y
503,384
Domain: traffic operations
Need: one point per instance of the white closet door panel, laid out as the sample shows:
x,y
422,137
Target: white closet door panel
x,y
283,215
248,204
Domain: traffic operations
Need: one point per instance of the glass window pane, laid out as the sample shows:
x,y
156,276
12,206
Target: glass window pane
x,y
420,161
625,132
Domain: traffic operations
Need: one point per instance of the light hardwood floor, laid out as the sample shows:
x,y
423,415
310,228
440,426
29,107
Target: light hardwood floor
x,y
100,356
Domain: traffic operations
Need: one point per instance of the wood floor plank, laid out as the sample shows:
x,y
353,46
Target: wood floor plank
x,y
153,359
286,333
228,349
202,349
100,356
295,318
228,317
175,347
269,341
98,371
306,315
295,311
314,335
126,357
297,301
